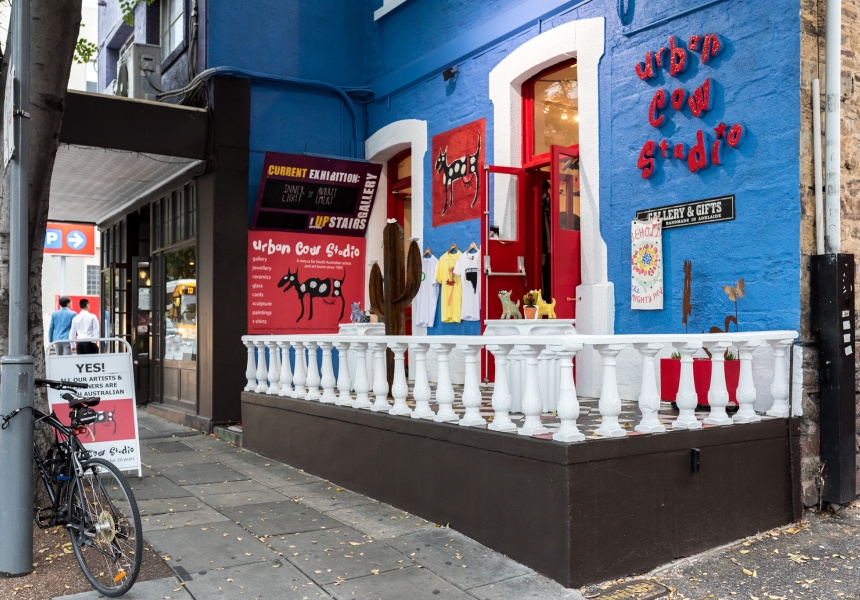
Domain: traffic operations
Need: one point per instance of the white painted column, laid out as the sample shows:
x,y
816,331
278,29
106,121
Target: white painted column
x,y
327,380
399,386
251,367
472,387
532,404
380,377
686,400
421,389
568,404
444,389
779,387
299,370
718,394
610,401
274,368
501,390
286,377
313,373
649,396
746,393
262,371
362,383
343,382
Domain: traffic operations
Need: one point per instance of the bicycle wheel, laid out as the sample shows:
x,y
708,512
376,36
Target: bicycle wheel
x,y
105,528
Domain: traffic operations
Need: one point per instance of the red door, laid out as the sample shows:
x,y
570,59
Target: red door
x,y
565,242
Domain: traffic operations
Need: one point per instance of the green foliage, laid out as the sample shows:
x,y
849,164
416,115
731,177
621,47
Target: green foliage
x,y
84,51
127,8
676,355
730,356
531,298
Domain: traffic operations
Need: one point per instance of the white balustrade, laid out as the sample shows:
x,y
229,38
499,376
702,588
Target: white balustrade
x,y
610,401
472,387
380,378
362,383
343,382
328,381
444,388
779,387
686,399
541,361
251,368
568,405
274,368
746,390
299,370
286,378
501,390
421,390
399,387
262,372
649,396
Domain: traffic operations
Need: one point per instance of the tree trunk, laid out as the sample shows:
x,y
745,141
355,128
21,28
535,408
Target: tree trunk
x,y
54,26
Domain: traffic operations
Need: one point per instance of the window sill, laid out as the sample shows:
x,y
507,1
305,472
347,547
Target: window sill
x,y
167,62
387,7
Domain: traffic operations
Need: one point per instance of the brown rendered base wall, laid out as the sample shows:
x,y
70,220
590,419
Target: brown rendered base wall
x,y
578,513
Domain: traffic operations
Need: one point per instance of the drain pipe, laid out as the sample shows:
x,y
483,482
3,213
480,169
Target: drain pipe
x,y
816,155
832,139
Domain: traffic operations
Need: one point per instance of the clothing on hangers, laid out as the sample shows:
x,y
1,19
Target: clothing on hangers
x,y
451,290
424,306
468,269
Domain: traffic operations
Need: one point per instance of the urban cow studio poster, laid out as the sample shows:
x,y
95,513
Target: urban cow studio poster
x,y
302,283
457,172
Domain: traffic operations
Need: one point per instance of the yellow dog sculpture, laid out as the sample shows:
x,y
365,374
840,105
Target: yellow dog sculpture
x,y
544,308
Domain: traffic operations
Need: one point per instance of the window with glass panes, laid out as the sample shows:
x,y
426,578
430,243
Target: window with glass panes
x,y
172,25
92,280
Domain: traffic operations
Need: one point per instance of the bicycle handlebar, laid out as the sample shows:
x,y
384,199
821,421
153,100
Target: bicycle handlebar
x,y
59,385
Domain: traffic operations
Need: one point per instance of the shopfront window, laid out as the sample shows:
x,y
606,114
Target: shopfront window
x,y
400,193
180,304
551,103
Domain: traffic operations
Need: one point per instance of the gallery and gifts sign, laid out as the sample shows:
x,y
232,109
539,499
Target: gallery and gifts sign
x,y
302,282
709,210
113,436
315,194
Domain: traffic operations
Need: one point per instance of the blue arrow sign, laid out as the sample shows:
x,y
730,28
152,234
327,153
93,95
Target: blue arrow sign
x,y
76,239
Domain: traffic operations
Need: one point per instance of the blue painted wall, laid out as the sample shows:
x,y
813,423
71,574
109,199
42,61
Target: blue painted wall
x,y
757,78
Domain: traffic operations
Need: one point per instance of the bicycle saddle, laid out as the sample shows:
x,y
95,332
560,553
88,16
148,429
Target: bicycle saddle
x,y
76,401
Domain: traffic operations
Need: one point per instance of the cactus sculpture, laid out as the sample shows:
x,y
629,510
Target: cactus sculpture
x,y
391,292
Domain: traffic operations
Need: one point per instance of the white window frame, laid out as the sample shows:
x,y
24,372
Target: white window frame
x,y
164,34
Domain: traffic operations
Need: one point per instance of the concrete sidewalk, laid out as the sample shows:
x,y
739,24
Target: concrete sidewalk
x,y
237,525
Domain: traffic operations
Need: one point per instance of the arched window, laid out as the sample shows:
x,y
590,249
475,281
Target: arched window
x,y
399,171
550,112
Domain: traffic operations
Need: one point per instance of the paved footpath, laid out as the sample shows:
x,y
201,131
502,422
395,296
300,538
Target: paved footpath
x,y
238,525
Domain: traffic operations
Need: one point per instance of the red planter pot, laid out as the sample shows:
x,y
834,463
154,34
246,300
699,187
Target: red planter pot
x,y
670,377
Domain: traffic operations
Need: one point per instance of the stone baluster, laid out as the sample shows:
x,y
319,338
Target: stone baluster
x,y
380,377
568,404
610,401
274,368
312,379
686,399
286,380
501,390
361,383
746,388
262,370
299,370
532,403
251,368
327,380
444,389
343,382
718,394
399,387
472,387
421,389
649,397
779,387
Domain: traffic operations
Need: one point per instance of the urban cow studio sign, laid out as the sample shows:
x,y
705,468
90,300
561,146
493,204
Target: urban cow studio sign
x,y
707,148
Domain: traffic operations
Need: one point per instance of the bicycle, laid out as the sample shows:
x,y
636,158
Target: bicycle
x,y
89,496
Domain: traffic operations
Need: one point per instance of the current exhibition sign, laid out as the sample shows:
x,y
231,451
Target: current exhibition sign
x,y
697,212
313,194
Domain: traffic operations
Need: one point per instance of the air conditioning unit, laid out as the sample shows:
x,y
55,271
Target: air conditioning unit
x,y
139,72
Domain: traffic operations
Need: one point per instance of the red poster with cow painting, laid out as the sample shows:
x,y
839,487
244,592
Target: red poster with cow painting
x,y
459,161
301,282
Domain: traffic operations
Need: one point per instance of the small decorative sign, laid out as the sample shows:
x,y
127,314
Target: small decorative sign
x,y
709,210
646,284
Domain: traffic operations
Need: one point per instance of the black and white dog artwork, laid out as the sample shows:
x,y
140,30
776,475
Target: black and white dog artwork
x,y
315,288
465,168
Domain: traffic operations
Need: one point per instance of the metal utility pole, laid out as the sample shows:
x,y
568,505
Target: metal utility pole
x,y
16,369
